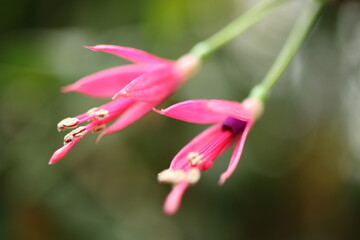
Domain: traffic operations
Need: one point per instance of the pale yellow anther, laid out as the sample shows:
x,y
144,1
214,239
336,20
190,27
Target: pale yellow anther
x,y
92,111
195,158
68,138
67,123
172,176
78,132
193,175
99,128
101,114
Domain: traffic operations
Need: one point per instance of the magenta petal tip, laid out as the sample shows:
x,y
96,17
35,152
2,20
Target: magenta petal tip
x,y
170,208
68,88
222,179
104,133
51,162
160,111
57,156
61,152
173,200
91,47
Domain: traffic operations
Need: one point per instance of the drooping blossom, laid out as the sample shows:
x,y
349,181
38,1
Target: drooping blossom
x,y
231,124
135,89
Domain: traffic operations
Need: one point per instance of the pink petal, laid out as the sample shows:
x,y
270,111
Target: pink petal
x,y
173,200
106,83
180,161
235,158
154,85
61,152
135,112
131,54
230,108
206,111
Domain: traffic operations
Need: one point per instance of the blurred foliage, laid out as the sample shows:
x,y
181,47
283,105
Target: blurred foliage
x,y
299,177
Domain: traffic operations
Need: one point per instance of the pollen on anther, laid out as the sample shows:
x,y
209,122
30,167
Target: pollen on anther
x,y
68,138
78,132
195,158
101,114
67,123
92,111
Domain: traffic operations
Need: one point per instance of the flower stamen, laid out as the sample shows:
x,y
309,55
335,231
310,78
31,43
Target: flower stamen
x,y
68,138
195,158
101,114
78,132
92,111
67,123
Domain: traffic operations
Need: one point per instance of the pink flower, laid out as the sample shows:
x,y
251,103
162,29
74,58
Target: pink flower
x,y
135,90
232,122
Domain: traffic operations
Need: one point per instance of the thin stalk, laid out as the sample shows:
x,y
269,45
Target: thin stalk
x,y
297,36
239,25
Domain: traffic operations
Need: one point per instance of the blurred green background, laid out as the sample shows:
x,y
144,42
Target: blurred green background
x,y
299,177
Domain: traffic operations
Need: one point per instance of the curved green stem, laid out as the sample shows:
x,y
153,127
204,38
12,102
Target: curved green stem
x,y
239,25
297,36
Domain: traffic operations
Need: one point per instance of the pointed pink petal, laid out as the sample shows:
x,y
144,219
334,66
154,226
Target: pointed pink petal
x,y
173,200
235,158
106,83
131,54
194,111
180,161
230,108
61,152
135,112
154,85
206,111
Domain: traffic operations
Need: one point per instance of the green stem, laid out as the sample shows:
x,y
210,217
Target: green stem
x,y
297,36
239,25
